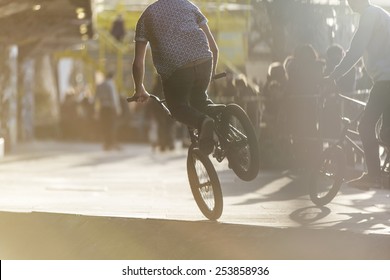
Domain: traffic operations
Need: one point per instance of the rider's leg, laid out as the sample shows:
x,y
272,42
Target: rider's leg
x,y
185,93
199,98
178,90
376,104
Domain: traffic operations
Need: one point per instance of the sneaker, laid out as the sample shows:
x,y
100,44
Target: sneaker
x,y
365,182
206,140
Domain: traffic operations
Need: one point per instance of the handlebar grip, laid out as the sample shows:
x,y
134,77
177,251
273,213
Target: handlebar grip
x,y
219,76
131,99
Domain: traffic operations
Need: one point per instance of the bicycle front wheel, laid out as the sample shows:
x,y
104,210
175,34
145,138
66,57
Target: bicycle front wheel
x,y
327,176
242,147
204,183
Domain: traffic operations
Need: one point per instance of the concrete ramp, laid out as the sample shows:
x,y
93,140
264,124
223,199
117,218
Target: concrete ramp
x,y
62,236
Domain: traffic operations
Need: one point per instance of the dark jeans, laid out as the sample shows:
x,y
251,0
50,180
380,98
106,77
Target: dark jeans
x,y
378,104
185,93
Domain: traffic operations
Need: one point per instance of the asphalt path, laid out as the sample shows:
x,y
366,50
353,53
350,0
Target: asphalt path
x,y
74,201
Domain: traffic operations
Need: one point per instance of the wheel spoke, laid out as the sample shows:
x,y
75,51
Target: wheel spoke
x,y
326,181
205,189
239,142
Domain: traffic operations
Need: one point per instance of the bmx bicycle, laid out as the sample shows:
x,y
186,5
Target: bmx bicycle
x,y
330,171
236,141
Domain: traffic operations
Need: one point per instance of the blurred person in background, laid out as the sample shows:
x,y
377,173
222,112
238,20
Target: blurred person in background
x,y
108,101
330,115
274,92
347,83
305,74
246,98
118,30
69,115
161,125
273,117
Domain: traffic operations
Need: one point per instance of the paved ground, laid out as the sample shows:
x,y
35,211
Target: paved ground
x,y
75,201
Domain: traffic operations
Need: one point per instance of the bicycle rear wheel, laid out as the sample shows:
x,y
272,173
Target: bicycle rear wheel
x,y
204,183
327,176
242,148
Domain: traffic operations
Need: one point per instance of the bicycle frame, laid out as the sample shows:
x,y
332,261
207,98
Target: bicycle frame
x,y
219,153
232,142
347,132
330,171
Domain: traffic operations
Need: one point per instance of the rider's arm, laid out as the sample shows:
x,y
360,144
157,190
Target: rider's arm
x,y
212,44
139,70
359,44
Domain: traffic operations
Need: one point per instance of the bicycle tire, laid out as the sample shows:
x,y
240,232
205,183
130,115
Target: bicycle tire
x,y
327,176
242,150
204,183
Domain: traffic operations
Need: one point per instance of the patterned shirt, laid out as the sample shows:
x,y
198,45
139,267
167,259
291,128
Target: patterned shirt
x,y
172,27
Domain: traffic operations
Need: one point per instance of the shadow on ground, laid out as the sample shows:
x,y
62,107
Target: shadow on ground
x,y
61,236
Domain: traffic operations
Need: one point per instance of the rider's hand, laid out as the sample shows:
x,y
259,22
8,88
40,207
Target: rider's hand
x,y
141,95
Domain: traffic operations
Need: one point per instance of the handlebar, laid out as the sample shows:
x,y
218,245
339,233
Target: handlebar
x,y
219,76
357,101
133,99
155,98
